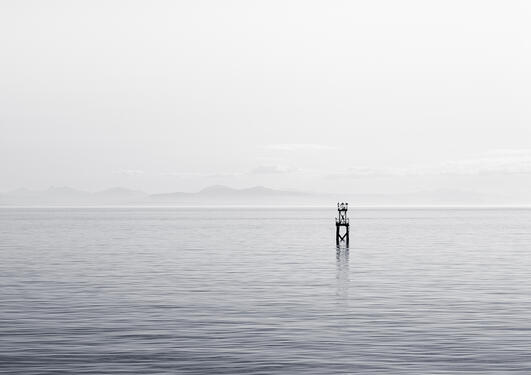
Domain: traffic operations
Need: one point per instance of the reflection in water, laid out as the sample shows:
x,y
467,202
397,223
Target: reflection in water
x,y
342,276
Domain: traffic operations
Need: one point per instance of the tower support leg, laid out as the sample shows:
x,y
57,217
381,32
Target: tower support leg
x,y
348,234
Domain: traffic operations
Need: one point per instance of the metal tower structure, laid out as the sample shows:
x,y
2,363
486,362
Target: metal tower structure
x,y
342,221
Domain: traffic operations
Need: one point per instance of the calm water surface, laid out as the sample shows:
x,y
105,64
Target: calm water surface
x,y
264,291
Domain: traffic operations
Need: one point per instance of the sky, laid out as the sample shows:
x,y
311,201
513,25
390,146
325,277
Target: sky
x,y
323,96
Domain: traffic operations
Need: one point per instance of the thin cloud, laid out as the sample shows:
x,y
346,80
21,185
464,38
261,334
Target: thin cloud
x,y
271,169
364,172
200,175
493,162
130,172
299,147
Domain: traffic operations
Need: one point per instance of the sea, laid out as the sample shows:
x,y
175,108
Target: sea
x,y
254,290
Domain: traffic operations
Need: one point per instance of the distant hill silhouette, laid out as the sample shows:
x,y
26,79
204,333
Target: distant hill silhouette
x,y
220,195
225,195
68,196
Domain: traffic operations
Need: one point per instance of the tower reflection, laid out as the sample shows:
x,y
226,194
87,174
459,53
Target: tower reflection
x,y
342,273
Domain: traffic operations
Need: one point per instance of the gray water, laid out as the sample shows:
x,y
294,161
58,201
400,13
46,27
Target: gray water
x,y
264,291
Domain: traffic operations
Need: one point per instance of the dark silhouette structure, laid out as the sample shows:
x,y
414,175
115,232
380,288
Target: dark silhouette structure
x,y
342,221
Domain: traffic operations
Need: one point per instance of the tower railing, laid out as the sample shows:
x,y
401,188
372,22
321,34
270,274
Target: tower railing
x,y
342,220
342,206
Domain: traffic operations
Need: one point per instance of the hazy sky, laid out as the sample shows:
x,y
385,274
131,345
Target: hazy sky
x,y
311,95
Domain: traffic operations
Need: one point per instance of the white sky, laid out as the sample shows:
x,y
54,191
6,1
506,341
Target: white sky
x,y
312,95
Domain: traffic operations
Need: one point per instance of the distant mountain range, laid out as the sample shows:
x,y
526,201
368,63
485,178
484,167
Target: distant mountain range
x,y
258,195
211,195
70,196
